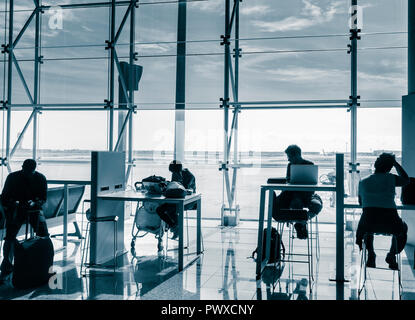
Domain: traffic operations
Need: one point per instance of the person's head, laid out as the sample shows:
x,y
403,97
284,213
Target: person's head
x,y
29,166
384,163
293,153
175,166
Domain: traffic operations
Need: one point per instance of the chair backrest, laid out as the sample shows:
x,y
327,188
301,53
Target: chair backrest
x,y
54,204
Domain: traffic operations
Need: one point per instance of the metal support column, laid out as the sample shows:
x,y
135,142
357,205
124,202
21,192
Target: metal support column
x,y
131,89
231,77
36,91
354,98
179,135
9,82
111,78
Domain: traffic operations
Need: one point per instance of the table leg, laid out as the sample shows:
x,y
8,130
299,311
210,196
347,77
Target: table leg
x,y
199,227
269,224
260,232
181,210
65,215
340,218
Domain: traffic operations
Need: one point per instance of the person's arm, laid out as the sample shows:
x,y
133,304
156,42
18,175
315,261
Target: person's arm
x,y
41,197
288,173
358,194
402,179
7,193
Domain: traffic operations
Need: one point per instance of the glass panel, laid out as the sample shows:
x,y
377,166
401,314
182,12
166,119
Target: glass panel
x,y
66,139
153,139
203,152
263,137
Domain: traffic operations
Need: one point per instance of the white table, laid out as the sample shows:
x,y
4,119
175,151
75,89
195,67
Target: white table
x,y
270,188
338,188
131,195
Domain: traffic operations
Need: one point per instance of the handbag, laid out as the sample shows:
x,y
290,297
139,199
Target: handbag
x,y
154,185
175,190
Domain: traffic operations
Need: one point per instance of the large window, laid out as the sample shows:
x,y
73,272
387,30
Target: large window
x,y
291,51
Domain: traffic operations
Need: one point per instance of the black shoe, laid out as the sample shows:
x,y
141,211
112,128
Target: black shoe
x,y
175,232
391,261
301,230
371,260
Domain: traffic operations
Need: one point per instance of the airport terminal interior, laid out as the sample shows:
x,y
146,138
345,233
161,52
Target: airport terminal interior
x,y
105,95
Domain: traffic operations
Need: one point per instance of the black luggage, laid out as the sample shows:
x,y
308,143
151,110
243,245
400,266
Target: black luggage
x,y
33,259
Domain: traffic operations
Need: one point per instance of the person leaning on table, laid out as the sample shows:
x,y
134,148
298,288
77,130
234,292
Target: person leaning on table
x,y
377,198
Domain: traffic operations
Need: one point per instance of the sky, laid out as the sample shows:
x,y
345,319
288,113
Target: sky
x,y
287,75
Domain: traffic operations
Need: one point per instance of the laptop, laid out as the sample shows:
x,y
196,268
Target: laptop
x,y
303,174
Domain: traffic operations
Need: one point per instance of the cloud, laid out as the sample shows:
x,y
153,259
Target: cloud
x,y
304,74
209,5
311,15
255,10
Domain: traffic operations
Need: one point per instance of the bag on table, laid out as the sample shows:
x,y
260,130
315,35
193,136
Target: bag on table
x,y
175,190
154,185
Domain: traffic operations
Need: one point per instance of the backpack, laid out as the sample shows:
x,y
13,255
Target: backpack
x,y
276,246
408,192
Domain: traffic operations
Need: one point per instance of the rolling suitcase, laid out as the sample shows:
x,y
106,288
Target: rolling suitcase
x,y
32,261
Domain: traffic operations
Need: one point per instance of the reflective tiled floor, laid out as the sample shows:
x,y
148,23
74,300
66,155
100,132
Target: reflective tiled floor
x,y
225,271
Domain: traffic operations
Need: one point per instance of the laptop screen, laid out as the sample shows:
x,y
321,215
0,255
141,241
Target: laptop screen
x,y
303,174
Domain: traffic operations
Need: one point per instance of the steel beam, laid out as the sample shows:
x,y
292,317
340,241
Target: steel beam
x,y
9,80
124,19
22,31
36,90
21,76
354,99
111,77
122,131
180,105
131,90
21,135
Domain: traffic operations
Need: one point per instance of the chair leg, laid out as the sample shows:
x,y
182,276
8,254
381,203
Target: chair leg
x,y
310,237
115,245
317,240
85,247
362,270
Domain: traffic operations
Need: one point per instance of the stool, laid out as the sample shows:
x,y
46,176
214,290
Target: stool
x,y
363,261
85,249
289,217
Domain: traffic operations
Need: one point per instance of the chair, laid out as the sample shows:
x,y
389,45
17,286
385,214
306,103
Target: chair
x,y
363,260
86,242
288,217
158,232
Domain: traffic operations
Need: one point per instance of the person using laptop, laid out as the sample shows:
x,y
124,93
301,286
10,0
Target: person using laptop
x,y
296,199
377,198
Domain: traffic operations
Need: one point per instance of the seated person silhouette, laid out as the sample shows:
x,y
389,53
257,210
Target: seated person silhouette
x,y
167,211
296,199
23,196
377,198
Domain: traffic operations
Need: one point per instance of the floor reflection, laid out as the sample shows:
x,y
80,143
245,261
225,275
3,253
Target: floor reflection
x,y
225,271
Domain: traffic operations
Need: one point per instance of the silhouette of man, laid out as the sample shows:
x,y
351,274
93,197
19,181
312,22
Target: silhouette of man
x,y
377,197
23,196
296,199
